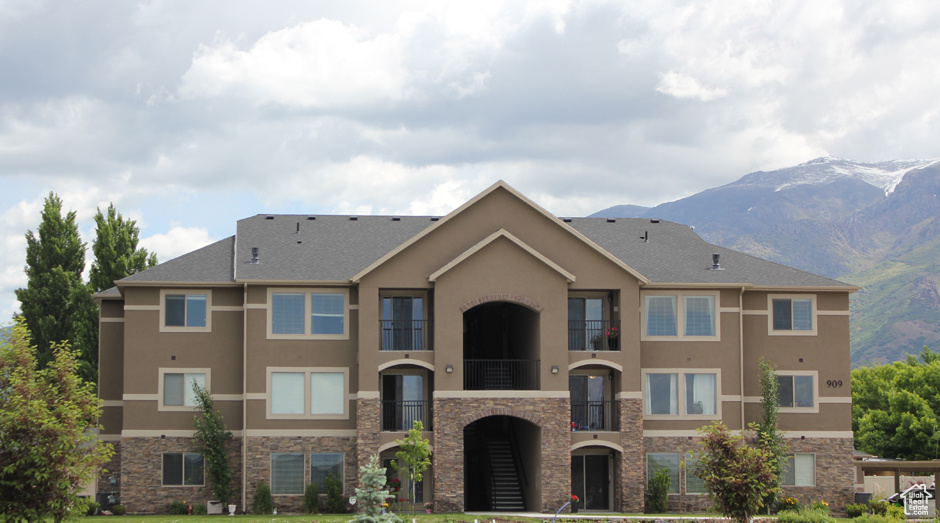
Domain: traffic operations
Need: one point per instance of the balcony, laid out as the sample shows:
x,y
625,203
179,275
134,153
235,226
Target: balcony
x,y
501,374
595,415
406,334
593,335
399,416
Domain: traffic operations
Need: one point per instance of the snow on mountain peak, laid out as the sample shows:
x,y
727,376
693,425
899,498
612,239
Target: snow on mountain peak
x,y
884,175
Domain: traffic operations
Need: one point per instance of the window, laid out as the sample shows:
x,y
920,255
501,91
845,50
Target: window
x,y
796,390
403,325
693,483
682,393
318,393
681,315
287,473
177,387
792,314
298,314
322,464
664,460
185,310
182,469
800,471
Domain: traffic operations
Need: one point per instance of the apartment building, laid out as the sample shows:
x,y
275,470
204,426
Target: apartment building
x,y
545,356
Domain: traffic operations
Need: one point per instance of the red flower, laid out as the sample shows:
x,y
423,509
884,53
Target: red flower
x,y
575,498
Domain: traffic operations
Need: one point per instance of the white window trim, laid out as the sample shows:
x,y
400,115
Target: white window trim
x,y
806,410
206,292
307,371
791,332
179,408
308,314
680,391
813,454
680,315
182,485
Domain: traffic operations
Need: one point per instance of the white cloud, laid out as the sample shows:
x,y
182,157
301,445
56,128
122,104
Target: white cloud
x,y
680,85
323,63
177,241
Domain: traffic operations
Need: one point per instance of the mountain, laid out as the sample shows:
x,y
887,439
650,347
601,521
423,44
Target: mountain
x,y
875,225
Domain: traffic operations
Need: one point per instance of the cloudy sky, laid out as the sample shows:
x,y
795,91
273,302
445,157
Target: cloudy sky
x,y
189,115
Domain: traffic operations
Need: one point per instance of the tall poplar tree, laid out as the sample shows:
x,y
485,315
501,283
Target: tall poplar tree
x,y
54,296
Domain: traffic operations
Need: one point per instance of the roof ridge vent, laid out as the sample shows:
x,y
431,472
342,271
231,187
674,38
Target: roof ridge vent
x,y
396,218
611,220
353,218
654,220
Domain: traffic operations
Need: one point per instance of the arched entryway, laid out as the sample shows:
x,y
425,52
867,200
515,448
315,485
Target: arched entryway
x,y
502,464
501,347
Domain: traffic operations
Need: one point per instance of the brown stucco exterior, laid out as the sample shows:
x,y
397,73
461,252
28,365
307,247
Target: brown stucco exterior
x,y
502,262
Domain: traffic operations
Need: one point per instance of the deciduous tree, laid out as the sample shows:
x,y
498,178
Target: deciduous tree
x,y
769,436
48,447
894,408
414,457
737,476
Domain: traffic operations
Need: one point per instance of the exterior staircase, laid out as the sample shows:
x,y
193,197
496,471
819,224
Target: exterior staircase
x,y
505,490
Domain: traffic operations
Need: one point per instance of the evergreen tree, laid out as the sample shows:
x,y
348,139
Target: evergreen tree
x,y
372,495
53,298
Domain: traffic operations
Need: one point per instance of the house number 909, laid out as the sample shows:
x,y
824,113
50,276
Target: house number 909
x,y
835,384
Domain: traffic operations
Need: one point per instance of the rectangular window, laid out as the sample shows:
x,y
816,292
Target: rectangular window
x,y
796,390
182,469
699,315
693,483
661,316
664,460
311,393
661,394
184,310
287,393
287,473
793,314
300,314
800,471
287,313
690,314
682,393
328,313
322,464
178,388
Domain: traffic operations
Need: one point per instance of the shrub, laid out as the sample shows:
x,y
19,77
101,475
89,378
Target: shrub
x,y
879,507
178,508
335,501
657,501
806,515
311,503
199,510
820,505
119,510
85,507
855,510
895,512
263,502
788,503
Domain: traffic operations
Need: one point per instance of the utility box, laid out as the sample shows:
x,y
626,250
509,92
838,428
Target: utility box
x,y
213,507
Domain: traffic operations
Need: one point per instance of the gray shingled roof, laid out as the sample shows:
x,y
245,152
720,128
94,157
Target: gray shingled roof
x,y
210,264
336,248
674,253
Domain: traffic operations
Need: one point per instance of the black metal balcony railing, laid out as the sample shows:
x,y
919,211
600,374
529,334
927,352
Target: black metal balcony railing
x,y
401,415
406,334
594,335
501,374
595,415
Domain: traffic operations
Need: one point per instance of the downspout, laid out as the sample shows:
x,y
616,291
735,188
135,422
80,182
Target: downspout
x,y
741,351
245,397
